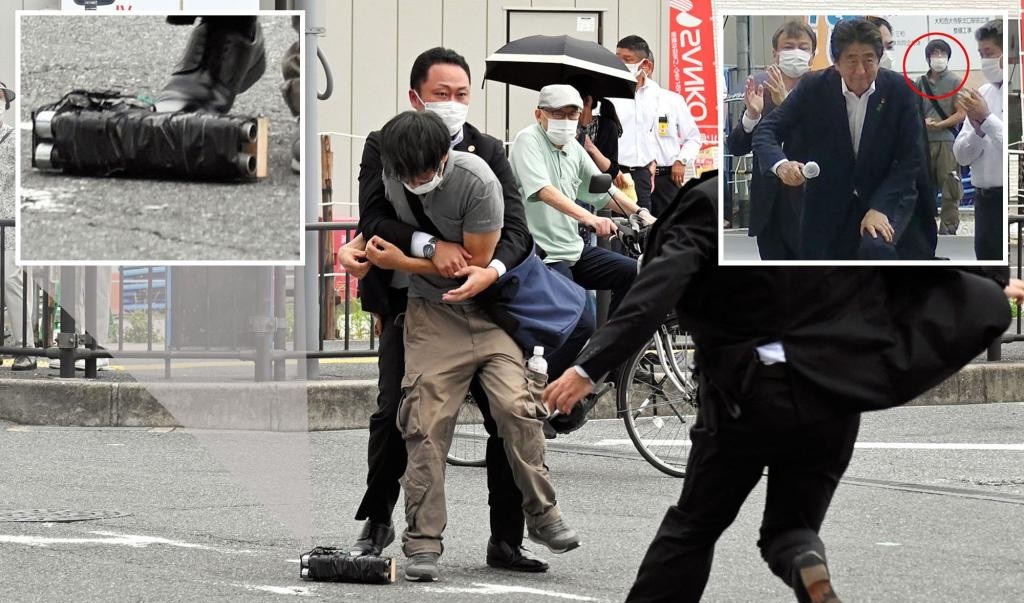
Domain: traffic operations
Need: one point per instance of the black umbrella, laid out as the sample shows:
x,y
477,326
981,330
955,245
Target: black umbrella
x,y
536,61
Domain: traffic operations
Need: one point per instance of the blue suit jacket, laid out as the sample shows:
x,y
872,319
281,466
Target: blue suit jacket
x,y
888,161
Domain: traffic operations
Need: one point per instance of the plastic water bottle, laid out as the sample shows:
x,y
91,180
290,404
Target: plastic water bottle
x,y
536,363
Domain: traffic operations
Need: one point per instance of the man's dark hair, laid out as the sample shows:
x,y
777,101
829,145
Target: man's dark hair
x,y
413,142
428,58
795,29
585,85
937,45
854,31
992,31
879,22
638,45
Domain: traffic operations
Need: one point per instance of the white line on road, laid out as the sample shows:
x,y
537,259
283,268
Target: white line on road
x,y
107,538
504,589
866,445
299,591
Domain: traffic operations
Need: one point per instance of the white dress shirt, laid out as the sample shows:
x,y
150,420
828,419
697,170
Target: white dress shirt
x,y
983,150
856,110
656,126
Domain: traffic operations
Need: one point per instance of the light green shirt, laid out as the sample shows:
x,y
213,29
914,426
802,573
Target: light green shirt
x,y
536,163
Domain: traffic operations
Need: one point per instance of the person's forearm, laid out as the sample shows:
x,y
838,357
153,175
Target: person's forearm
x,y
602,162
952,120
621,204
557,200
417,266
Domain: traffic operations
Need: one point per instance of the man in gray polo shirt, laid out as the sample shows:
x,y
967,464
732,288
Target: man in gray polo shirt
x,y
942,120
448,342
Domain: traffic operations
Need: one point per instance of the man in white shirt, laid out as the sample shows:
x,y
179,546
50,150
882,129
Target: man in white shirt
x,y
980,143
659,138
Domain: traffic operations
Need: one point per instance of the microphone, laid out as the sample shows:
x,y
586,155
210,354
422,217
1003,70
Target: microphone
x,y
811,170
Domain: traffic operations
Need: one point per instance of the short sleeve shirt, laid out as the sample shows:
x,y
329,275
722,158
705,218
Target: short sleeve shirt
x,y
946,83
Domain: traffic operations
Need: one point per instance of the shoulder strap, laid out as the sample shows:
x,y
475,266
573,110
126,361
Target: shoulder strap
x,y
421,216
928,90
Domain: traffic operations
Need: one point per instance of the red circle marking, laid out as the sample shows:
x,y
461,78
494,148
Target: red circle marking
x,y
911,83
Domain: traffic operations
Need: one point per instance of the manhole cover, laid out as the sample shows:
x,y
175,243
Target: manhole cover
x,y
56,515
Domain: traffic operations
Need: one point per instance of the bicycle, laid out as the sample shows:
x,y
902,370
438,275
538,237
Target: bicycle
x,y
656,394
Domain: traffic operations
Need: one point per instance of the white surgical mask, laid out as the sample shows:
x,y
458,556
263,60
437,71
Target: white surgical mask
x,y
992,71
794,62
561,131
426,187
887,60
634,69
452,113
938,64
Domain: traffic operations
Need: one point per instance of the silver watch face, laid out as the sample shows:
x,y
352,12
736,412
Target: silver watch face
x,y
428,250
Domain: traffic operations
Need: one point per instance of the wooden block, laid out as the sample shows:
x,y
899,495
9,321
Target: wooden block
x,y
261,147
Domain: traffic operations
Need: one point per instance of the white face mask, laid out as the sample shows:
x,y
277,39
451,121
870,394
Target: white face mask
x,y
938,64
887,60
634,68
452,113
561,131
794,62
426,187
992,71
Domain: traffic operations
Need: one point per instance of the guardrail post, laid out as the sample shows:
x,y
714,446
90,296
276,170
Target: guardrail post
x,y
280,322
67,341
89,305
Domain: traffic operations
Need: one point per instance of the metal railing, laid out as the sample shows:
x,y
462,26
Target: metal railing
x,y
270,352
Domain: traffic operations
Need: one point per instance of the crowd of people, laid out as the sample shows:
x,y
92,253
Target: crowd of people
x,y
882,152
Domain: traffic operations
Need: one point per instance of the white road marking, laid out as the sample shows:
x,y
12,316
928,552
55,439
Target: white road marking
x,y
19,429
505,589
299,591
110,538
864,445
888,544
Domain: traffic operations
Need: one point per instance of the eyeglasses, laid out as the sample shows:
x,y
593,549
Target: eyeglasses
x,y
574,114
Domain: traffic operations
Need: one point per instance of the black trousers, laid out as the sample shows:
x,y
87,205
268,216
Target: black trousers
x,y
988,223
642,181
728,457
663,194
780,237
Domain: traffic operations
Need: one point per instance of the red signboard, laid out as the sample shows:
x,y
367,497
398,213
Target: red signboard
x,y
692,73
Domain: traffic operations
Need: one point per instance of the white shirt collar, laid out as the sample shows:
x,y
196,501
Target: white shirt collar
x,y
847,92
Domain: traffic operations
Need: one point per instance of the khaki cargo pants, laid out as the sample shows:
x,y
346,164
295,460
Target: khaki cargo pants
x,y
945,175
445,346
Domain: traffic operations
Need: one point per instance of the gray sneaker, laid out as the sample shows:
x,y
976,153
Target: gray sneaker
x,y
422,567
557,536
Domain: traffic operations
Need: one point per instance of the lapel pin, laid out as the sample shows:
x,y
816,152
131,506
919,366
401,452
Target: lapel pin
x,y
472,148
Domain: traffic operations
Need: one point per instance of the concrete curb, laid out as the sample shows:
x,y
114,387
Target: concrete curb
x,y
323,405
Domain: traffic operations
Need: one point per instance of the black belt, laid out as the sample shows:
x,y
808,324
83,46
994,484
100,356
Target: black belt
x,y
659,171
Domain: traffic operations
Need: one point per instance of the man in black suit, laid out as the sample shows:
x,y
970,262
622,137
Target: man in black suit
x,y
770,392
439,82
861,126
774,207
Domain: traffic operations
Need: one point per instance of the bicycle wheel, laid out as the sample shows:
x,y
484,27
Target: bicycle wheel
x,y
469,443
658,415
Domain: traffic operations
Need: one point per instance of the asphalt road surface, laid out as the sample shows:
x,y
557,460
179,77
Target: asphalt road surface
x,y
68,218
932,509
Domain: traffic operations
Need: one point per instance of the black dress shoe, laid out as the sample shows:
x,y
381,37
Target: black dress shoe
x,y
374,538
223,58
815,584
502,555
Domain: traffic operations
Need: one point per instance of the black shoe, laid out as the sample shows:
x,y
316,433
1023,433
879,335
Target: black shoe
x,y
374,538
219,63
24,363
422,567
557,536
815,585
503,555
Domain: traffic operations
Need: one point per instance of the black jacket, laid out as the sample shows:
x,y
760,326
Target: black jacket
x,y
855,338
377,216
